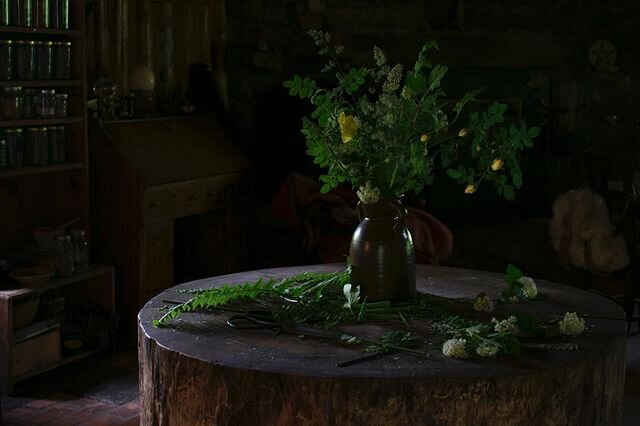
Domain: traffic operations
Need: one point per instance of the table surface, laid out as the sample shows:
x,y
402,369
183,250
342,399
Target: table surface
x,y
206,336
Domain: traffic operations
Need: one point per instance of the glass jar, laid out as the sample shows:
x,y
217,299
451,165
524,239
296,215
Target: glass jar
x,y
62,57
29,98
25,63
4,155
6,59
59,13
41,18
44,60
80,250
46,103
15,147
62,105
5,13
36,146
57,144
11,103
64,255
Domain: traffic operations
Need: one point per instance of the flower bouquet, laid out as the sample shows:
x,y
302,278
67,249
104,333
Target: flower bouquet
x,y
389,132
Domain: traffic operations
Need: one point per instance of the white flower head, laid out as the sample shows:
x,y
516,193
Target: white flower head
x,y
455,348
508,326
529,288
352,295
368,194
392,83
379,56
571,324
486,350
483,304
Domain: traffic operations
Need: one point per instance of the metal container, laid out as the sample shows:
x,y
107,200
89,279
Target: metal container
x,y
6,59
25,59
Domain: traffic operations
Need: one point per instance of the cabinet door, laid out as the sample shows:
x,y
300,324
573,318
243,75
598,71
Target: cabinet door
x,y
156,268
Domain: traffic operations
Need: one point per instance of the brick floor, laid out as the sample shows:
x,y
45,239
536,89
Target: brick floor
x,y
95,392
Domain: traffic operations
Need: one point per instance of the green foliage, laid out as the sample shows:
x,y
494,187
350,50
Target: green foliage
x,y
391,113
392,340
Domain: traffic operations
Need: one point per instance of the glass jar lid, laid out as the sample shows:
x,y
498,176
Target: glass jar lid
x,y
62,95
6,41
13,131
48,91
13,89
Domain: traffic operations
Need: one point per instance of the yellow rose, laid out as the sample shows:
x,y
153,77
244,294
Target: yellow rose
x,y
425,138
463,132
497,164
470,189
348,127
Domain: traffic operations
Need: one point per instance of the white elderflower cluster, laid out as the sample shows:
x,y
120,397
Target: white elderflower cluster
x,y
508,326
455,348
368,194
339,49
319,37
379,56
571,324
487,350
392,83
529,288
483,304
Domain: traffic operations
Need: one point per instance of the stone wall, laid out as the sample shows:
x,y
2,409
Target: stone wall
x,y
533,50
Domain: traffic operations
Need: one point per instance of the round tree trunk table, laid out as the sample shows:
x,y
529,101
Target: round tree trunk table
x,y
202,372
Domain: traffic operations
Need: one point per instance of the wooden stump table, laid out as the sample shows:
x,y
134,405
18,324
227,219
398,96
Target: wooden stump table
x,y
201,372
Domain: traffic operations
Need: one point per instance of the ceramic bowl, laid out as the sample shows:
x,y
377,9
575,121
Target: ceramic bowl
x,y
33,277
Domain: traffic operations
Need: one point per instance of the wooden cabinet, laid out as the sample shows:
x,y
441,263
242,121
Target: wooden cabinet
x,y
170,204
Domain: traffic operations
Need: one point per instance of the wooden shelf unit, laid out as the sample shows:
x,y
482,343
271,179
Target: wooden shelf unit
x,y
38,170
50,195
96,286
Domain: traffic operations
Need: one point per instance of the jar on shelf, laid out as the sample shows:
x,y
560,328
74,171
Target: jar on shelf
x,y
4,155
57,144
62,55
25,59
41,18
5,13
80,250
6,59
64,255
46,103
19,12
15,147
44,60
59,13
36,146
11,103
29,97
62,105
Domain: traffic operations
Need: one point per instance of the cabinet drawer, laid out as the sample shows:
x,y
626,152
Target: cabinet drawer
x,y
171,201
221,190
36,353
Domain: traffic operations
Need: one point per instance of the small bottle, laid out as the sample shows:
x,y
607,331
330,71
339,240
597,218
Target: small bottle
x,y
62,105
62,55
57,144
46,103
64,255
44,60
29,99
80,250
11,103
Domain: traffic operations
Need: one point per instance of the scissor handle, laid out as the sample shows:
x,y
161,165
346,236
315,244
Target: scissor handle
x,y
252,320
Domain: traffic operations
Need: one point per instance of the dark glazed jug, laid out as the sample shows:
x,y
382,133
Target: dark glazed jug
x,y
383,260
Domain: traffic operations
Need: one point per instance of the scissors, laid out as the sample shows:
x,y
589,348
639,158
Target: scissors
x,y
254,320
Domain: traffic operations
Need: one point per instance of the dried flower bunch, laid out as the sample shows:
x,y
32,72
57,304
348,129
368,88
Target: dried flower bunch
x,y
389,132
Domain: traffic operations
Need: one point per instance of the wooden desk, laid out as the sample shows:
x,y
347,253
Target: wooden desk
x,y
204,373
